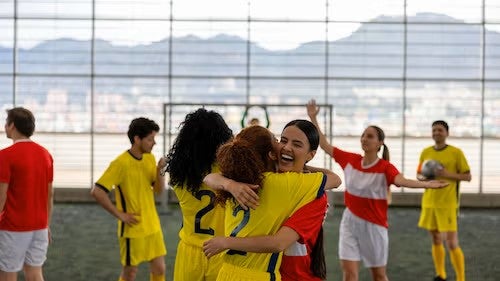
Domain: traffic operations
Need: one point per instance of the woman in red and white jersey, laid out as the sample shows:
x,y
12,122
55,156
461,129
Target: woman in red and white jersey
x,y
363,231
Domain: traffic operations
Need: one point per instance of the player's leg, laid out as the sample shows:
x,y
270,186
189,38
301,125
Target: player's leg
x,y
8,276
349,248
350,270
438,253
429,221
379,273
14,246
374,249
129,272
157,269
33,273
36,254
154,250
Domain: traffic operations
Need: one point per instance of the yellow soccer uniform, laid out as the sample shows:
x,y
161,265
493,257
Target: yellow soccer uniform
x,y
280,196
201,220
453,160
133,180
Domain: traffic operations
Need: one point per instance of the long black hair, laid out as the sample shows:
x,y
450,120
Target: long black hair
x,y
318,262
191,156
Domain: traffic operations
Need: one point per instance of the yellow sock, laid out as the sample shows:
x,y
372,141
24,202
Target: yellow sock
x,y
154,277
458,262
438,256
121,279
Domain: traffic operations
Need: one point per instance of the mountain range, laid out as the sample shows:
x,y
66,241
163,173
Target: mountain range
x,y
374,52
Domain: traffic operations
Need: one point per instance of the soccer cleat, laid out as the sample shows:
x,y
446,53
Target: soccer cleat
x,y
438,278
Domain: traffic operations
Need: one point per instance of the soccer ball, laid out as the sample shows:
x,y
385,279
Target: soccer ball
x,y
429,168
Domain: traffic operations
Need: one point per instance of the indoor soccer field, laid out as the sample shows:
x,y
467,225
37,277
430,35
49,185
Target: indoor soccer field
x,y
85,245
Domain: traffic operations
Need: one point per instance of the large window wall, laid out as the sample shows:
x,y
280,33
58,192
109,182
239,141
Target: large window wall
x,y
86,68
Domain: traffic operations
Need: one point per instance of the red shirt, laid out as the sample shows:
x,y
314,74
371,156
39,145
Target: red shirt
x,y
366,186
306,221
27,168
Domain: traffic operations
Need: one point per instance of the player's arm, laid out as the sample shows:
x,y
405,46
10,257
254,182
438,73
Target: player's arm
x,y
3,194
159,184
244,193
454,176
101,196
278,242
400,180
312,112
332,179
50,207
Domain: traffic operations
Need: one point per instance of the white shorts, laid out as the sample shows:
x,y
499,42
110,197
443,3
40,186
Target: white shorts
x,y
363,240
25,247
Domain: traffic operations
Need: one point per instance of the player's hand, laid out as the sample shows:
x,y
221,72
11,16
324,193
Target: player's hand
x,y
49,233
129,219
162,165
441,172
312,109
214,246
437,184
244,193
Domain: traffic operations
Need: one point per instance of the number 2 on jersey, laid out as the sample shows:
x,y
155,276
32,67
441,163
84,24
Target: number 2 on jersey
x,y
203,211
244,221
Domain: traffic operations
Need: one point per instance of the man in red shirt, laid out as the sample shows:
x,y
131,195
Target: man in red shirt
x,y
26,175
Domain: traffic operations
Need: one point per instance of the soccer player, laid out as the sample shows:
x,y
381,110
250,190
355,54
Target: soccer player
x,y
189,160
363,231
440,207
136,178
26,175
301,236
280,195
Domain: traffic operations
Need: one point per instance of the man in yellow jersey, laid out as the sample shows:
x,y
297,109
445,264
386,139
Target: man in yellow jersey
x,y
440,206
135,177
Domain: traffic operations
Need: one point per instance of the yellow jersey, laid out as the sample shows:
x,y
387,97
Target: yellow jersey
x,y
280,196
133,180
201,219
453,160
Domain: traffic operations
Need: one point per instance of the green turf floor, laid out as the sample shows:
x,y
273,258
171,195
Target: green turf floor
x,y
85,245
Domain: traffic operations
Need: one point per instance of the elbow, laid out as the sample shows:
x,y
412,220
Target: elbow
x,y
280,246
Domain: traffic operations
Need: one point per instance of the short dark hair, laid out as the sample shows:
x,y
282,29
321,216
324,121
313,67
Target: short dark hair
x,y
141,127
442,123
23,120
309,129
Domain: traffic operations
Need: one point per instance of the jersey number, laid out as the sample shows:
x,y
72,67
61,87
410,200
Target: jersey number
x,y
244,221
202,212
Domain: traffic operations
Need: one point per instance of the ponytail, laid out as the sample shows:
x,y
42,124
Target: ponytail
x,y
318,263
385,153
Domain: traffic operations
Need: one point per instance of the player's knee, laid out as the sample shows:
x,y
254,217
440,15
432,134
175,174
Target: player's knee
x,y
32,273
129,273
158,267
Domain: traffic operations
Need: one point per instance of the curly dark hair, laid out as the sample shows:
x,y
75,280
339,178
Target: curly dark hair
x,y
191,156
245,159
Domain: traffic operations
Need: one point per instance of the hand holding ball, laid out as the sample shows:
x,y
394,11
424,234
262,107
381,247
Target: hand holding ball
x,y
430,167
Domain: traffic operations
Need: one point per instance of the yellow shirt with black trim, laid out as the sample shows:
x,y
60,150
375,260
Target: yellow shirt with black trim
x,y
133,180
453,160
201,218
281,195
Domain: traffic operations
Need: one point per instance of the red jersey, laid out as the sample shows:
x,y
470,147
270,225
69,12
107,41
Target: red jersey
x,y
28,170
366,186
306,221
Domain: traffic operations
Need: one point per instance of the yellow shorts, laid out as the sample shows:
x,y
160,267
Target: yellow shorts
x,y
134,251
439,219
191,264
230,272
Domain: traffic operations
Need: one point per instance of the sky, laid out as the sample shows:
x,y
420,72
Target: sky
x,y
35,24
